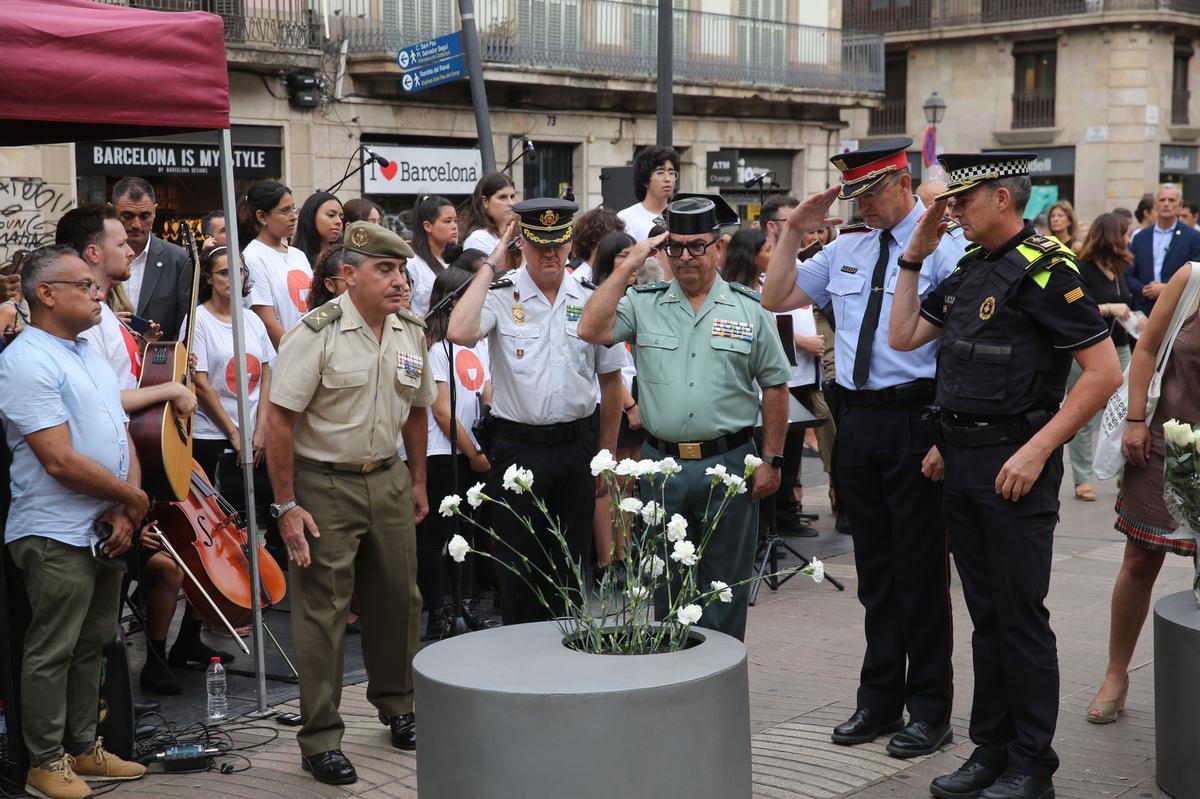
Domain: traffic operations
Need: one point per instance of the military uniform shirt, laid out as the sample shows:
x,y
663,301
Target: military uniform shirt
x,y
841,273
542,371
699,373
352,392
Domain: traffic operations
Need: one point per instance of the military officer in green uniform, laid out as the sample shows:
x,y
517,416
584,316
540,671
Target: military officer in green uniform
x,y
349,381
1009,321
703,349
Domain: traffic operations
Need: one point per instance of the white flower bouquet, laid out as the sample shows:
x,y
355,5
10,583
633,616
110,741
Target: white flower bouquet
x,y
1181,482
661,558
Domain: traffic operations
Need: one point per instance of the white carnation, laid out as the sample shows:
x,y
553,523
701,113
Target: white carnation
x,y
638,593
815,569
735,483
689,614
654,566
630,505
719,471
724,592
677,528
518,480
653,513
647,466
627,468
475,495
458,548
684,552
603,462
449,505
668,467
752,462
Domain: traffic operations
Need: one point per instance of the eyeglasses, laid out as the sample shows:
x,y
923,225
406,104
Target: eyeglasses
x,y
695,247
286,211
88,286
666,173
871,194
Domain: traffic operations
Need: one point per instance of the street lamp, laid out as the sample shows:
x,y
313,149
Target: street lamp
x,y
934,108
935,111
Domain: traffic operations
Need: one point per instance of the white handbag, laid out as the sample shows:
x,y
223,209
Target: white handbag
x,y
1108,460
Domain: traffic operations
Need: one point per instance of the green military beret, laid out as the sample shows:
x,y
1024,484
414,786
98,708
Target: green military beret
x,y
375,240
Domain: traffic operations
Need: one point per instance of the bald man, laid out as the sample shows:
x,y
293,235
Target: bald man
x,y
929,190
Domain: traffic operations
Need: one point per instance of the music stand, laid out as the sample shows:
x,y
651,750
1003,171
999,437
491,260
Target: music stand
x,y
798,416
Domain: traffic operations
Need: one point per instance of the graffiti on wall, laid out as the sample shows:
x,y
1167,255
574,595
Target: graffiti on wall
x,y
25,204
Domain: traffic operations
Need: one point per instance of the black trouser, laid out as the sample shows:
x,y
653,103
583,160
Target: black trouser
x,y
435,530
562,479
1003,552
900,554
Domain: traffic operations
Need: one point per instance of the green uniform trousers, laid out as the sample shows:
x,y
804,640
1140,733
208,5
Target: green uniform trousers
x,y
367,545
75,602
729,556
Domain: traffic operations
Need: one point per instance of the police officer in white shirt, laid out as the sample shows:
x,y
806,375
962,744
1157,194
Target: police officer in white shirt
x,y
543,395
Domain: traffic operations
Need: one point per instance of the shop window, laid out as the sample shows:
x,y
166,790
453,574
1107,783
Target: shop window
x,y
553,170
1033,92
891,117
1180,93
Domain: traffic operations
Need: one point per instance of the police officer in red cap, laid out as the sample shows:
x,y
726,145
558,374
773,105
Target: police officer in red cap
x,y
885,464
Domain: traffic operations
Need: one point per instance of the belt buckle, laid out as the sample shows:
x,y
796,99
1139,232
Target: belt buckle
x,y
367,468
690,451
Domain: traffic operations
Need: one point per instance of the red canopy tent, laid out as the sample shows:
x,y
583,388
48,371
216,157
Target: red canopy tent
x,y
79,70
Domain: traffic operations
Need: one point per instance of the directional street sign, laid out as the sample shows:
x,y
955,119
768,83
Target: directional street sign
x,y
431,63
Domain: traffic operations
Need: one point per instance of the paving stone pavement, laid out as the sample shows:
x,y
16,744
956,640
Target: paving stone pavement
x,y
805,647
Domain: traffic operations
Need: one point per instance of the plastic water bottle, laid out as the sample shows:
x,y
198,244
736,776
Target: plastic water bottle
x,y
218,706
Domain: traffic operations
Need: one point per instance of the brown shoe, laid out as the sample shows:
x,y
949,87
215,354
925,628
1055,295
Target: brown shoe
x,y
56,780
1085,493
98,765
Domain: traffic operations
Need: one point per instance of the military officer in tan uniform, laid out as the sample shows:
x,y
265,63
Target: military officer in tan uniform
x,y
349,381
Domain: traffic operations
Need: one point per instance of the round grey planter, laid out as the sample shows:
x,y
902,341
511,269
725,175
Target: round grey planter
x,y
511,712
1177,693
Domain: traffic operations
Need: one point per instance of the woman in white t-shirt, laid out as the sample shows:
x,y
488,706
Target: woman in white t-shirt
x,y
470,377
488,213
280,275
215,428
435,227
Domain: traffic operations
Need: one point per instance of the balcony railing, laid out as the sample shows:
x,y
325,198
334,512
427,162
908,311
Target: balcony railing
x,y
275,24
1033,110
618,39
889,16
889,118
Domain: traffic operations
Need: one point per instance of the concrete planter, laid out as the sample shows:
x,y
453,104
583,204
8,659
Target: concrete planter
x,y
512,712
1177,694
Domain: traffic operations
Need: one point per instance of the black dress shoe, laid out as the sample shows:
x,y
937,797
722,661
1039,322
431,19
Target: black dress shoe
x,y
920,738
1015,785
439,625
966,783
404,730
158,679
865,726
331,768
475,619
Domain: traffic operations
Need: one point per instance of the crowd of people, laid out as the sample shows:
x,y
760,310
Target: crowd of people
x,y
947,348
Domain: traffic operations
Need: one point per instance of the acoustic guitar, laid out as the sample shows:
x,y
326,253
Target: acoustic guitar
x,y
163,440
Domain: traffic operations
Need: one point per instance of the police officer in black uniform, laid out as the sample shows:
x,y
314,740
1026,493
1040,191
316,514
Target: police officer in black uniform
x,y
1010,318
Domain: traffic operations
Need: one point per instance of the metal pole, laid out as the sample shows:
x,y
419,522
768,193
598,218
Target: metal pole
x,y
483,122
243,411
666,78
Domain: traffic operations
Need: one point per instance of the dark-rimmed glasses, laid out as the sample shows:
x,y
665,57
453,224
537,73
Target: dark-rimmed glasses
x,y
695,247
88,286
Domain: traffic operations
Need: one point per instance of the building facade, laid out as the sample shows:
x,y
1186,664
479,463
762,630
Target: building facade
x,y
760,87
1098,89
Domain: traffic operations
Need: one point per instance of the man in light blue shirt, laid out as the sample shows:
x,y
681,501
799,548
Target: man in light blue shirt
x,y
885,464
74,475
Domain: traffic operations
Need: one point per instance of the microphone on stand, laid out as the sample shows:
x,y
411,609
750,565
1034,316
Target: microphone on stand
x,y
528,149
379,159
758,179
371,158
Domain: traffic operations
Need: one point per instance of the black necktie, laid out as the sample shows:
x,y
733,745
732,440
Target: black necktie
x,y
870,320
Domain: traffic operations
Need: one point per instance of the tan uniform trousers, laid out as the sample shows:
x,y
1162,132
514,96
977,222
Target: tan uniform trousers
x,y
367,544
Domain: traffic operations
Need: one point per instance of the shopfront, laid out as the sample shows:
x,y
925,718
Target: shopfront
x,y
745,178
183,169
1177,164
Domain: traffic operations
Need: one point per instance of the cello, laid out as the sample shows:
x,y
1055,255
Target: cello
x,y
164,440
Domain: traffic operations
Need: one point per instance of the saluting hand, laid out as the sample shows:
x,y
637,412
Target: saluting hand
x,y
499,255
292,526
813,213
1020,472
638,255
928,232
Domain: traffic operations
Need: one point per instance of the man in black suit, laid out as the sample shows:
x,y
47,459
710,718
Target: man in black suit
x,y
1160,249
160,283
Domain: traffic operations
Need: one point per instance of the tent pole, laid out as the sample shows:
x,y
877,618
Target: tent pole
x,y
243,409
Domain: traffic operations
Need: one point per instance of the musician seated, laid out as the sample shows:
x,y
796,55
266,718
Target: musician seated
x,y
74,474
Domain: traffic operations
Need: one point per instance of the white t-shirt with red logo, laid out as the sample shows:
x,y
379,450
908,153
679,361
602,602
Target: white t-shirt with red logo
x,y
213,345
280,280
471,371
117,346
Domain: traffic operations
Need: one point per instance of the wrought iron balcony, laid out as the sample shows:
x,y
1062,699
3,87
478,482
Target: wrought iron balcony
x,y
886,16
889,118
1033,110
618,39
270,24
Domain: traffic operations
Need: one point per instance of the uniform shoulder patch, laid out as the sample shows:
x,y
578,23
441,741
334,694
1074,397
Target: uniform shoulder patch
x,y
502,283
951,225
747,291
318,318
587,284
659,286
415,318
1042,243
854,227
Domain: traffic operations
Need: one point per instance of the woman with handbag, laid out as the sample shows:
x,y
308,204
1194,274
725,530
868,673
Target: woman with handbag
x,y
1168,353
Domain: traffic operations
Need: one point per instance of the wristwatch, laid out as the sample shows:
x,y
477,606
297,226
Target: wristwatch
x,y
278,510
776,461
912,266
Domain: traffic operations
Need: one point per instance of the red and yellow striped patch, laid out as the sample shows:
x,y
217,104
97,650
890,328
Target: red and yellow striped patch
x,y
1074,294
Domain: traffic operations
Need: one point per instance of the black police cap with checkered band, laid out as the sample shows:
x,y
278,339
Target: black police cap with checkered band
x,y
965,171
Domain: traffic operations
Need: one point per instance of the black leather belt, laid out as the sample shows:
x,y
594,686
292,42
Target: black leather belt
x,y
351,468
561,433
916,391
699,450
968,432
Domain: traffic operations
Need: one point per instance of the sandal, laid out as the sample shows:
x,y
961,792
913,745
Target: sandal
x,y
1107,712
1085,493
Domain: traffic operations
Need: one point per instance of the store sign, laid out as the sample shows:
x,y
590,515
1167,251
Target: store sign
x,y
1176,159
170,158
733,168
417,170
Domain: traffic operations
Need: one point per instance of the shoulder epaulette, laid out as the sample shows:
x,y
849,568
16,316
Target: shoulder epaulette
x,y
502,283
415,318
320,317
1042,243
747,291
854,227
587,284
951,225
659,286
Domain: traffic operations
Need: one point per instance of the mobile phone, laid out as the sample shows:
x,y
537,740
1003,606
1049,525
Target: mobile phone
x,y
138,324
289,719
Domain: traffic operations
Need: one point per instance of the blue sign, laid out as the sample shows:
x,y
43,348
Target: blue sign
x,y
431,63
